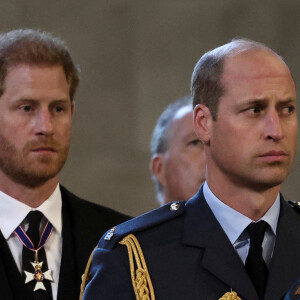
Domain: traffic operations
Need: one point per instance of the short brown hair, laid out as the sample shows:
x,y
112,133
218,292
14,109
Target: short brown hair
x,y
206,86
36,48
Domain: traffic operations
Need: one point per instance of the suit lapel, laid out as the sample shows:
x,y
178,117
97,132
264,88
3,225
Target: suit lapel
x,y
68,268
285,265
11,284
4,284
201,229
79,239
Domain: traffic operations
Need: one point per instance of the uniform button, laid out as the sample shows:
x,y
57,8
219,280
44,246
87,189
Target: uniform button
x,y
174,206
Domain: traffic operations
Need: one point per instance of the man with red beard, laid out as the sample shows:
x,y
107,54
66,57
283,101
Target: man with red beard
x,y
47,233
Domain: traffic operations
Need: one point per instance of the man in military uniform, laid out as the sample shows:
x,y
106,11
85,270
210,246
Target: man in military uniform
x,y
237,238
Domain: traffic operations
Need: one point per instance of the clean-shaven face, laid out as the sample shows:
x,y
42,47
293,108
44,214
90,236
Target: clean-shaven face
x,y
184,161
254,140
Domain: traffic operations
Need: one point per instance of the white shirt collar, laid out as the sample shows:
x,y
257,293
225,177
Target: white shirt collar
x,y
233,222
13,212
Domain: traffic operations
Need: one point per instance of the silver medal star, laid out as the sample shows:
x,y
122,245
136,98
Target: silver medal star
x,y
38,275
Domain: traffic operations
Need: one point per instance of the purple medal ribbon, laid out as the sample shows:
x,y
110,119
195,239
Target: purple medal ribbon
x,y
26,241
39,276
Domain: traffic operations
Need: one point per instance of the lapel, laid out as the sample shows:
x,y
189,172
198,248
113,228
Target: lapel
x,y
80,236
4,284
285,265
11,284
202,230
68,268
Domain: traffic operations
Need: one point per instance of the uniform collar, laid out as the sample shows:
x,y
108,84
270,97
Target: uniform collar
x,y
13,212
233,222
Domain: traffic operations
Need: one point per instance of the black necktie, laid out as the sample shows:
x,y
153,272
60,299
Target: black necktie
x,y
255,264
34,219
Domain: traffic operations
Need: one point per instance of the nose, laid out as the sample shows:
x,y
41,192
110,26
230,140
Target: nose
x,y
272,126
44,123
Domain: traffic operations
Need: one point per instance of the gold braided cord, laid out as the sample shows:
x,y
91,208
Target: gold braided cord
x,y
86,277
297,291
140,277
230,296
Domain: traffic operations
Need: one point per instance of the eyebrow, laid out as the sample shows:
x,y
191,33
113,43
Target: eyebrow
x,y
264,100
28,99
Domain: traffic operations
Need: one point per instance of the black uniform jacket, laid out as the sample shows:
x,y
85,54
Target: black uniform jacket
x,y
189,256
83,222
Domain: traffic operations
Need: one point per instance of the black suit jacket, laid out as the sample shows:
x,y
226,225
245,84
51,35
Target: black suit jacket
x,y
190,257
83,223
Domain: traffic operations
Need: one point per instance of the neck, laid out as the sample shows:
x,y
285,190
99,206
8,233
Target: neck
x,y
31,196
168,197
246,200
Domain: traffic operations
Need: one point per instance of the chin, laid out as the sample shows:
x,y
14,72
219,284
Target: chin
x,y
37,176
263,185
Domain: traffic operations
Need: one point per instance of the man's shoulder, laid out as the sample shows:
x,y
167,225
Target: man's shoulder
x,y
289,212
91,210
155,219
295,205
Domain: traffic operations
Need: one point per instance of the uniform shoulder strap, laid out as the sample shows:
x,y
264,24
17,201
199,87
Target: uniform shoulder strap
x,y
123,234
295,205
143,222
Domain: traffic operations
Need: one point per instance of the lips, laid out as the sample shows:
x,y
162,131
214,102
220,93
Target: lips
x,y
273,156
274,153
44,149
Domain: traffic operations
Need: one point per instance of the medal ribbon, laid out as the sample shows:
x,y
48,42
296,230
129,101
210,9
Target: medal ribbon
x,y
26,241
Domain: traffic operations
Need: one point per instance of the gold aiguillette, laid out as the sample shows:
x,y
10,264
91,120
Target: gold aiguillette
x,y
230,296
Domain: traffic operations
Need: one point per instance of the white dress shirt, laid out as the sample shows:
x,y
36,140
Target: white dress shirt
x,y
235,223
13,213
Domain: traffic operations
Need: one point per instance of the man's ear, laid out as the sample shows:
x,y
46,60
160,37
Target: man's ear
x,y
157,167
202,122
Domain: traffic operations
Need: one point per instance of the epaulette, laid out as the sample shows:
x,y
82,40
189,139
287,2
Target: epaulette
x,y
140,223
295,205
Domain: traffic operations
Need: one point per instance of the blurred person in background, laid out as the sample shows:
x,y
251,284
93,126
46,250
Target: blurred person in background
x,y
178,159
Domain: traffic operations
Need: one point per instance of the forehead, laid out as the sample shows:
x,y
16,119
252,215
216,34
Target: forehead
x,y
35,83
23,71
38,77
182,112
256,75
254,64
182,123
